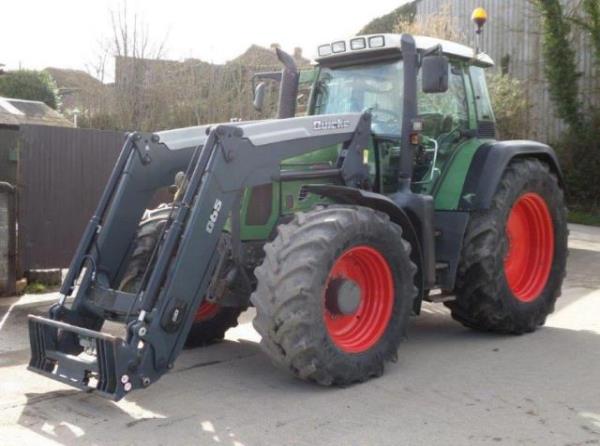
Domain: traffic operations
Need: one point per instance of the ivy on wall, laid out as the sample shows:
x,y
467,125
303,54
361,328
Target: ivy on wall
x,y
580,146
591,23
560,62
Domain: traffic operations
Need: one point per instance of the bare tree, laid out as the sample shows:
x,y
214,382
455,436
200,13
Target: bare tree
x,y
131,35
151,93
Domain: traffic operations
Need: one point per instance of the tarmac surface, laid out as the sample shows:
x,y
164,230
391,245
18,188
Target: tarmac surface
x,y
450,386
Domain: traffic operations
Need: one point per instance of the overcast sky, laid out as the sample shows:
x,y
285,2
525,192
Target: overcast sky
x,y
66,33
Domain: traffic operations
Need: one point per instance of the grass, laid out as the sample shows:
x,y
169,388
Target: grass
x,y
36,288
590,218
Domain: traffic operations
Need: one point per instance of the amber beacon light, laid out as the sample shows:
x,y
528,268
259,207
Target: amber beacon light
x,y
479,17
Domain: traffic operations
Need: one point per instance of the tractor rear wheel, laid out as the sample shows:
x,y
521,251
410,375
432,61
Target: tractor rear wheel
x,y
334,294
212,320
514,254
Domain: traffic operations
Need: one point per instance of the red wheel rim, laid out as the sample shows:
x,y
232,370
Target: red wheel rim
x,y
530,234
206,311
368,269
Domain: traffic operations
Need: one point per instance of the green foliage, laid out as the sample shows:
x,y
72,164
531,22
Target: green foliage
x,y
560,61
509,102
592,10
579,152
579,148
590,218
36,288
30,85
386,23
590,22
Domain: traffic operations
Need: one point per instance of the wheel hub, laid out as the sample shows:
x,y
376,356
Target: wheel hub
x,y
342,297
358,299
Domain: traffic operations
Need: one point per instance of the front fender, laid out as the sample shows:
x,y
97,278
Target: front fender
x,y
414,213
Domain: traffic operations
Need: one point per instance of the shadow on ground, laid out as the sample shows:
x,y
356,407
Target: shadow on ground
x,y
450,386
235,397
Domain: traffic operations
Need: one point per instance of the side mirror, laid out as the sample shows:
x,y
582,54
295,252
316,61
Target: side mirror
x,y
435,74
259,96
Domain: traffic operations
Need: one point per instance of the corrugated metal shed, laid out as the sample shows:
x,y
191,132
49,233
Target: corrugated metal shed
x,y
513,34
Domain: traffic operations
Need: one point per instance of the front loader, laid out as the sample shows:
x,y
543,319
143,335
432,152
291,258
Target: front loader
x,y
335,226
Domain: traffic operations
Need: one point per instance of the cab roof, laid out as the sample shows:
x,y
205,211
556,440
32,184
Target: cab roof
x,y
374,43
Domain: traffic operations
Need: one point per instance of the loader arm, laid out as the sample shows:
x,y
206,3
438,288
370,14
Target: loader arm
x,y
221,162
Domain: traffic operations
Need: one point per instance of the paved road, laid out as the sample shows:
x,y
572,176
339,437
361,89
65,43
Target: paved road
x,y
451,386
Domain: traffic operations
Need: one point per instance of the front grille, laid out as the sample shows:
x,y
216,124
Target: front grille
x,y
486,129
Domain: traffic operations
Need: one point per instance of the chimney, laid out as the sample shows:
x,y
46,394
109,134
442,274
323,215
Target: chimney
x,y
274,46
297,53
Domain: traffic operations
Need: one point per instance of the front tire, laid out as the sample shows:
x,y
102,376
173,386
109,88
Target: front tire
x,y
212,320
334,294
514,254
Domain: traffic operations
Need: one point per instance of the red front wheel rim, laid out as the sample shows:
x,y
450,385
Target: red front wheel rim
x,y
366,268
530,234
207,310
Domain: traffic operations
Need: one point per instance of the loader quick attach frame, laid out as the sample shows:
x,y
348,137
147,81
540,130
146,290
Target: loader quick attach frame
x,y
221,161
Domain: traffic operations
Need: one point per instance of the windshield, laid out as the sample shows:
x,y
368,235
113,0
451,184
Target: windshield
x,y
377,87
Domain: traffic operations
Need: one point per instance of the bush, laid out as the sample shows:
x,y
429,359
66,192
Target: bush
x,y
36,288
510,106
30,85
579,152
100,121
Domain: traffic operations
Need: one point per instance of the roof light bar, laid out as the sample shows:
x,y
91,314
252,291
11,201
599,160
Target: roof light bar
x,y
358,44
338,47
376,42
324,50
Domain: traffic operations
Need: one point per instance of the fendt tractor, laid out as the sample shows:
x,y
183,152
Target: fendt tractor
x,y
335,226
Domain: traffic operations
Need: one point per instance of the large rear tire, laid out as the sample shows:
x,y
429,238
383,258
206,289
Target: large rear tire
x,y
212,320
514,254
334,294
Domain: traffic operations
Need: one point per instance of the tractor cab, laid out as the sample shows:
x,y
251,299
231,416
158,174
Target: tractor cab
x,y
370,72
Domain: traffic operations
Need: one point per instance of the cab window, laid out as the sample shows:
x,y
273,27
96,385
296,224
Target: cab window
x,y
482,97
443,113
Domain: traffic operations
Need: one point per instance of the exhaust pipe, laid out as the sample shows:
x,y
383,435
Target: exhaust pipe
x,y
288,91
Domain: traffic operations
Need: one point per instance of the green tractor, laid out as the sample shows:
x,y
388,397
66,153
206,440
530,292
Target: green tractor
x,y
335,226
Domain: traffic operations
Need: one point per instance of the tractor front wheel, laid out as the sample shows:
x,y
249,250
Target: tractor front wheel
x,y
514,254
212,320
334,294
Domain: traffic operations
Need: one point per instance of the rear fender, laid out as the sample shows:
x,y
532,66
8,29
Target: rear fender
x,y
490,162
